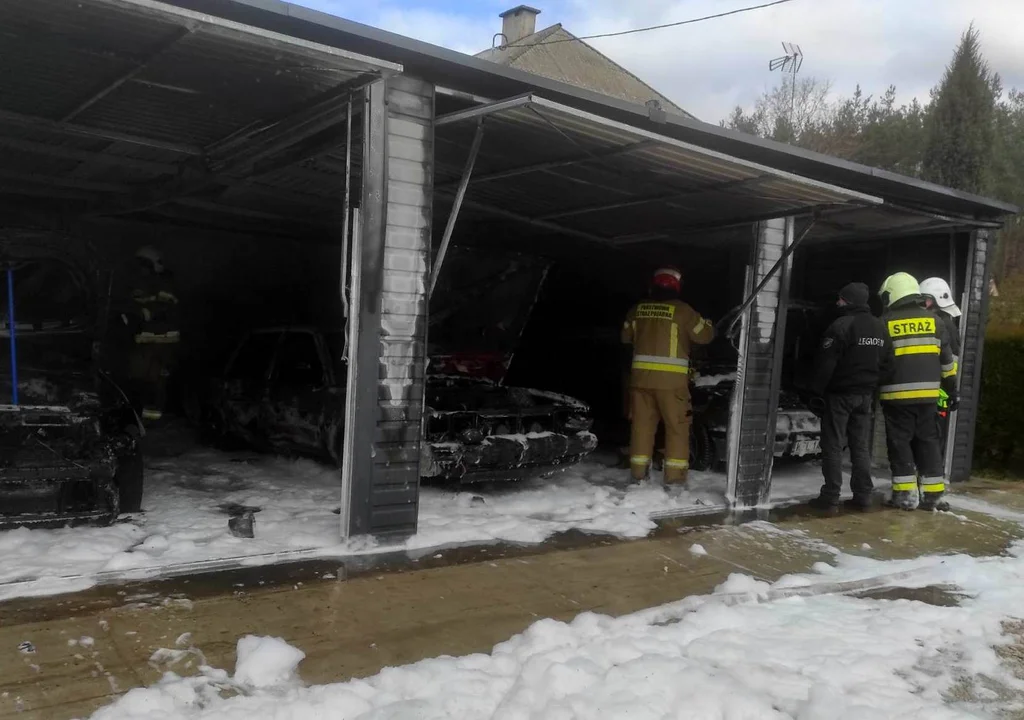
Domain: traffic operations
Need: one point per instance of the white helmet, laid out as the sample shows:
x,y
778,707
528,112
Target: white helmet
x,y
938,289
151,255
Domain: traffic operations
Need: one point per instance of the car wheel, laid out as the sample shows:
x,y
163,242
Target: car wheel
x,y
702,448
129,480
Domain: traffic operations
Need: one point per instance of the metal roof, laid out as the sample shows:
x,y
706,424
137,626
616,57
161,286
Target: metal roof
x,y
132,106
481,78
184,113
566,170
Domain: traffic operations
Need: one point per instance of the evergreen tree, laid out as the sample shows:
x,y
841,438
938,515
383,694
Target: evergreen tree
x,y
960,128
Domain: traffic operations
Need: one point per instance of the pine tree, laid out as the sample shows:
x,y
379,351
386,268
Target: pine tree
x,y
960,128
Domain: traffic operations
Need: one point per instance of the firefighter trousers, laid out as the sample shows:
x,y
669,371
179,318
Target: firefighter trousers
x,y
149,368
915,454
648,408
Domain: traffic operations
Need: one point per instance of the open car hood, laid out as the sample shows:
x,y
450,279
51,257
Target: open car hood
x,y
479,309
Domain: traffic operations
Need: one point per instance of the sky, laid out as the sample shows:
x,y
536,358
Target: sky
x,y
711,67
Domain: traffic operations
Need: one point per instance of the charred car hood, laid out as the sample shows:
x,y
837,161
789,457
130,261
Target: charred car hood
x,y
478,312
447,394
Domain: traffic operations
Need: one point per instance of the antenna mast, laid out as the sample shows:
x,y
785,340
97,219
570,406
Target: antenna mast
x,y
790,63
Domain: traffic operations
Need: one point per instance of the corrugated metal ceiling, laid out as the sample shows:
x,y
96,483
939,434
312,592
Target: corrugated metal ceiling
x,y
553,165
110,103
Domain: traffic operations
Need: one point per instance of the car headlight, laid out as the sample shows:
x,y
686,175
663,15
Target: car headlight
x,y
578,423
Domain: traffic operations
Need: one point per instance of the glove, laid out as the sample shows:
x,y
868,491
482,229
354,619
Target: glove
x,y
954,403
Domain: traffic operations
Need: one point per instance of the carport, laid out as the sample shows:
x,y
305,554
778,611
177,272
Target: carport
x,y
244,134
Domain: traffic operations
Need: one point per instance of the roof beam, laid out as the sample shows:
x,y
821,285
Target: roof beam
x,y
114,83
543,224
669,233
87,156
664,197
554,164
60,182
255,151
38,123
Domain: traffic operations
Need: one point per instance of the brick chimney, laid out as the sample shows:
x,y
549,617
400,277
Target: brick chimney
x,y
519,22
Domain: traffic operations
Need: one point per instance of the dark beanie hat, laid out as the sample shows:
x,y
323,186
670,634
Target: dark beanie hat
x,y
855,293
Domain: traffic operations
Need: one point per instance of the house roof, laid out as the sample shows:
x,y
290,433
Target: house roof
x,y
557,54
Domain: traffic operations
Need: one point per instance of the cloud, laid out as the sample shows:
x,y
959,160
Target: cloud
x,y
710,67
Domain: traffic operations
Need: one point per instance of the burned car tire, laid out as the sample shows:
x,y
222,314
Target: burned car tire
x,y
129,480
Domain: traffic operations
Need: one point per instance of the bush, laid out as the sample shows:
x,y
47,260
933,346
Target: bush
x,y
1000,427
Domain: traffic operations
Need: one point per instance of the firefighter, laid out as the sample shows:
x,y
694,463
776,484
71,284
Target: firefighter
x,y
939,299
661,331
844,383
153,317
919,364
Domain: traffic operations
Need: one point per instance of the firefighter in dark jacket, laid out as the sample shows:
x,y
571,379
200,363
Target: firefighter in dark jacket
x,y
919,365
661,331
939,299
152,315
846,376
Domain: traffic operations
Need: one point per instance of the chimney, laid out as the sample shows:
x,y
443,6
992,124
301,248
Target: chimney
x,y
519,22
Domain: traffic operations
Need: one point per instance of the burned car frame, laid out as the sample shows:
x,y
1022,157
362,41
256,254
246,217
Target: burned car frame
x,y
69,438
797,429
283,391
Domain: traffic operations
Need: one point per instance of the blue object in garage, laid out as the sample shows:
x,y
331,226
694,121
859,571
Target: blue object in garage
x,y
14,341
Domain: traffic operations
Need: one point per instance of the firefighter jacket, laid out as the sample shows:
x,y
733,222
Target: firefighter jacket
x,y
155,308
919,360
661,333
851,354
952,334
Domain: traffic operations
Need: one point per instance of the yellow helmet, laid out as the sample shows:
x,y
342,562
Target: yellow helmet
x,y
898,286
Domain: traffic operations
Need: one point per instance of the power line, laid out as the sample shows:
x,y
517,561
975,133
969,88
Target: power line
x,y
653,27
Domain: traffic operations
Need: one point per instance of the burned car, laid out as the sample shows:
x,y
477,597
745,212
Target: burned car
x,y
69,438
283,389
797,429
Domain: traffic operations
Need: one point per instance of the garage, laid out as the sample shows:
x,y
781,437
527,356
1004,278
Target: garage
x,y
301,172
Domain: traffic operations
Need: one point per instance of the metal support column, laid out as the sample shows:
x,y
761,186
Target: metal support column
x,y
972,329
460,195
751,435
388,312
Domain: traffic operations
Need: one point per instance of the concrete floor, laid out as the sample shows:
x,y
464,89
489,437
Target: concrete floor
x,y
353,621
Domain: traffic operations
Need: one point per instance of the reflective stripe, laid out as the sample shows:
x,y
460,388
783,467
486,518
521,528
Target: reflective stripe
x,y
910,391
699,327
148,338
161,296
933,485
910,395
660,367
639,459
916,341
673,350
151,414
677,464
918,350
949,370
904,483
681,362
661,364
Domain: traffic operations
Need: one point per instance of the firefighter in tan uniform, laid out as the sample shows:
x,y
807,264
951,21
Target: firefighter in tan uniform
x,y
661,331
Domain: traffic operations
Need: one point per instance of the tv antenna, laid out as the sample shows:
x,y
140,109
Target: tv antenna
x,y
789,63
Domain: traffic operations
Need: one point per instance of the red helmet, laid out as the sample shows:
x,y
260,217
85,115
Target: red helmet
x,y
669,278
